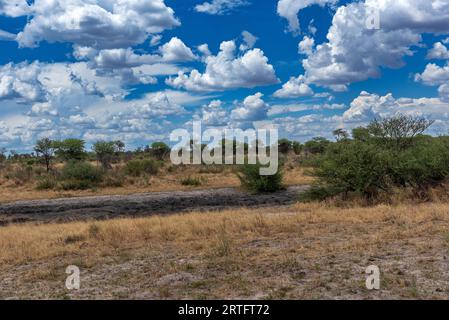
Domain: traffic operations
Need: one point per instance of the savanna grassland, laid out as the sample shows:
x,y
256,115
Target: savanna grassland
x,y
306,251
378,196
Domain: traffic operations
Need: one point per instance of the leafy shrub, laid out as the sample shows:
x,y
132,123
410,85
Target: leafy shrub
x,y
316,145
76,185
297,147
81,171
251,179
383,157
318,193
80,176
136,168
46,183
113,180
195,182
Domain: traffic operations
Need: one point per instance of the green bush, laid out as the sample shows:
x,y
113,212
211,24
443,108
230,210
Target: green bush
x,y
136,168
46,183
379,162
80,176
251,179
77,185
195,182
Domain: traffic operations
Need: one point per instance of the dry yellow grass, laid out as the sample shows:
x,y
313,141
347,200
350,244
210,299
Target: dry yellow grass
x,y
165,181
305,251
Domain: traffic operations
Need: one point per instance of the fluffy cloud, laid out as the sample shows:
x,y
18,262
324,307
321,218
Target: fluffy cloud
x,y
14,8
252,109
439,51
42,82
21,82
93,23
361,111
214,114
368,106
289,9
43,109
294,88
176,51
435,75
227,71
173,51
355,53
306,46
131,67
220,6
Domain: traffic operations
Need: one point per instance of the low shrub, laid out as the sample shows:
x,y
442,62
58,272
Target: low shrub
x,y
136,168
81,171
113,180
194,182
46,183
251,179
80,176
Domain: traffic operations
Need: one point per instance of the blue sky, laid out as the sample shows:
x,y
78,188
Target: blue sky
x,y
135,70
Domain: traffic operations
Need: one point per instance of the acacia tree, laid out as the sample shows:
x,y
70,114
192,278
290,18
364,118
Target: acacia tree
x,y
399,130
105,152
45,148
160,150
340,134
70,149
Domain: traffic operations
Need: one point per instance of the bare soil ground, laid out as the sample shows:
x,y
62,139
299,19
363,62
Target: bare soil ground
x,y
106,207
298,252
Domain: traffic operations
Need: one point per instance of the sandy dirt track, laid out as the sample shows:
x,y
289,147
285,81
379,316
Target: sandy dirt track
x,y
105,207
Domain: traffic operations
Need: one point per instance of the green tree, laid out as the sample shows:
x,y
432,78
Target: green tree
x,y
160,150
316,145
45,148
361,134
340,134
70,149
386,155
105,152
297,147
285,146
398,131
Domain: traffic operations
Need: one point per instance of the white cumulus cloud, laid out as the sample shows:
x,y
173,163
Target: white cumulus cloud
x,y
94,23
227,70
289,9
